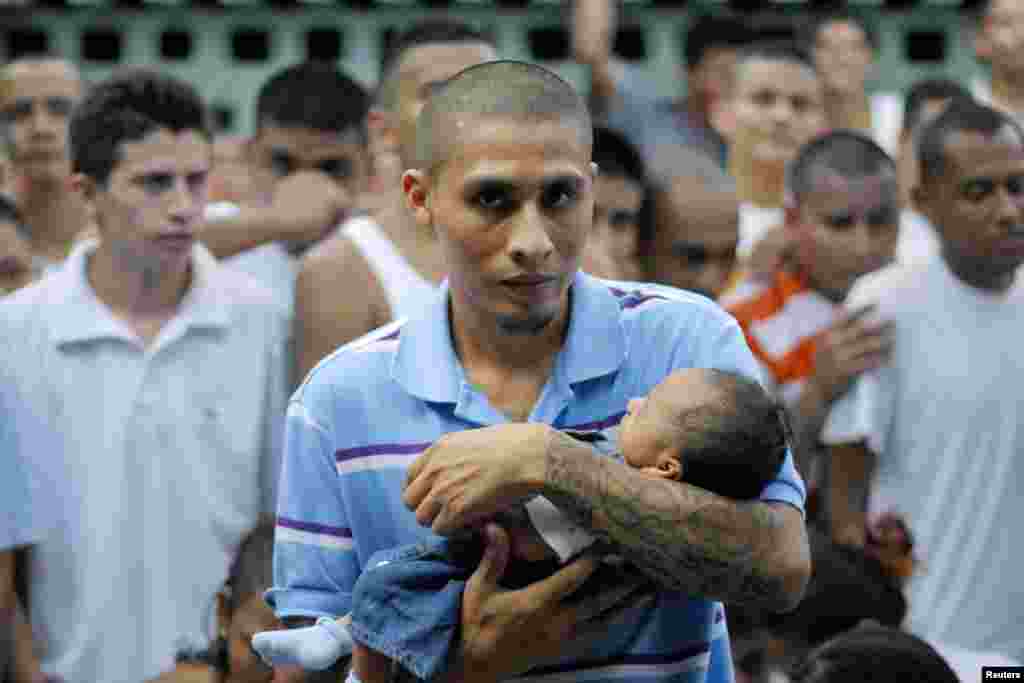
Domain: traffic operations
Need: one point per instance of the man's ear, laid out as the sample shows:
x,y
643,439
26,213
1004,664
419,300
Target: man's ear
x,y
416,188
382,131
723,118
982,40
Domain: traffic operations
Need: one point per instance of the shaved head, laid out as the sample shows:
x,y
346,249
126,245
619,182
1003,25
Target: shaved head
x,y
501,89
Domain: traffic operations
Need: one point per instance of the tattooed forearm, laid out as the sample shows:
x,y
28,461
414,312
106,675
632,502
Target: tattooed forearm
x,y
684,538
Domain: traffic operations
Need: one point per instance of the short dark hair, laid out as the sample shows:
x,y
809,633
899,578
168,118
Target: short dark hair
x,y
820,21
428,32
499,88
778,51
848,153
9,213
709,32
615,156
874,653
928,89
251,571
961,115
314,95
734,445
127,107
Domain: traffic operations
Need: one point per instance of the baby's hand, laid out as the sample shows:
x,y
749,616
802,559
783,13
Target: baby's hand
x,y
315,648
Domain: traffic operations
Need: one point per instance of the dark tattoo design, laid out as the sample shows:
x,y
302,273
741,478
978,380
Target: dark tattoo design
x,y
685,539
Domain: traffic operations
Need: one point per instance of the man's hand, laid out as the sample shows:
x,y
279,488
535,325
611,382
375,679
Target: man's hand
x,y
467,477
851,346
508,632
307,206
771,253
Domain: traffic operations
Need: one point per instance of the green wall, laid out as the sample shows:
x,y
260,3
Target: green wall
x,y
230,83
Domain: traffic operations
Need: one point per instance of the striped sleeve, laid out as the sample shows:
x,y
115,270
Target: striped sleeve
x,y
315,566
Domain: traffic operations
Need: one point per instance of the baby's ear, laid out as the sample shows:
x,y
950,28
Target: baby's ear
x,y
669,466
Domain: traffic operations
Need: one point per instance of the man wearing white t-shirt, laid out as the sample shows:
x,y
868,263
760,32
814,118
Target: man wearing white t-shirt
x,y
844,48
938,432
775,108
308,163
999,41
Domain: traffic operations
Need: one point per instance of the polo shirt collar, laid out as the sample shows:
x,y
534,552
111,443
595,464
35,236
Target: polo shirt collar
x,y
427,367
81,317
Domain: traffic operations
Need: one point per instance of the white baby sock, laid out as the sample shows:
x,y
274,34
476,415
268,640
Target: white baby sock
x,y
314,648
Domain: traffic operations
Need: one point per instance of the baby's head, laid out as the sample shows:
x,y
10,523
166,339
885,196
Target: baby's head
x,y
713,429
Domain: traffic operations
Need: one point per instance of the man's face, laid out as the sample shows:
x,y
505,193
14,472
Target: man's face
x,y
155,197
1002,35
976,204
846,227
778,108
617,201
695,239
421,71
843,56
713,77
36,99
512,206
277,152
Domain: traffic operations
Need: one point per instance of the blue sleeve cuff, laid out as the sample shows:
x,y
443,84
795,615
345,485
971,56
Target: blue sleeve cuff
x,y
289,602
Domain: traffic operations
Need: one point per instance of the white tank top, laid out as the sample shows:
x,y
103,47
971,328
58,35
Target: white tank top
x,y
406,290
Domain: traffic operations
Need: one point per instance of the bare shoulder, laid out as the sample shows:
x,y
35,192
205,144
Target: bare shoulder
x,y
337,299
336,271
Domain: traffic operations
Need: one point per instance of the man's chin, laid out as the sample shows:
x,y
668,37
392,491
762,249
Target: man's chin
x,y
526,324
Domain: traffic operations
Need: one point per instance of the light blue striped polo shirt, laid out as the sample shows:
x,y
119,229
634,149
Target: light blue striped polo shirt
x,y
369,409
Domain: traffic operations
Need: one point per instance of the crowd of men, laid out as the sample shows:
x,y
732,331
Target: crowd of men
x,y
210,344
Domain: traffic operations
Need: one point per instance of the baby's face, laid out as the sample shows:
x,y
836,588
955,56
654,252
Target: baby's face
x,y
644,432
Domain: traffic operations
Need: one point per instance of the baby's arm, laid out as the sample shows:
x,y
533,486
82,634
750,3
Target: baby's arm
x,y
314,648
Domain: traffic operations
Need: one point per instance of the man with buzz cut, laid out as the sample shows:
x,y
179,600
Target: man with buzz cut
x,y
435,424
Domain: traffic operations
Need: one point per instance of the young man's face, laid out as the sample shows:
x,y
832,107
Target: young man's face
x,y
1001,39
512,206
713,77
843,56
846,227
976,204
421,71
777,107
36,99
154,199
278,151
695,238
617,201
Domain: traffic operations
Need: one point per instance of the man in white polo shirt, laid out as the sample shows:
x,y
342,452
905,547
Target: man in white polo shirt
x,y
163,374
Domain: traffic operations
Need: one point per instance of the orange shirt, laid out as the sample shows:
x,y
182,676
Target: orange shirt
x,y
782,318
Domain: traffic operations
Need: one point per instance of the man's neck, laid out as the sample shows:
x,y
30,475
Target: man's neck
x,y
133,290
54,216
482,344
759,183
417,244
1008,90
851,111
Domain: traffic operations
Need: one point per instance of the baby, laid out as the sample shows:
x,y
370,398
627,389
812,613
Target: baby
x,y
709,428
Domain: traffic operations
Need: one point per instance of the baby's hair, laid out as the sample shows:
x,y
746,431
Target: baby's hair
x,y
872,653
736,443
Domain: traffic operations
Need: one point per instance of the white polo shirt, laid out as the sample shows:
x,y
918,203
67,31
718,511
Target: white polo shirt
x,y
167,457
